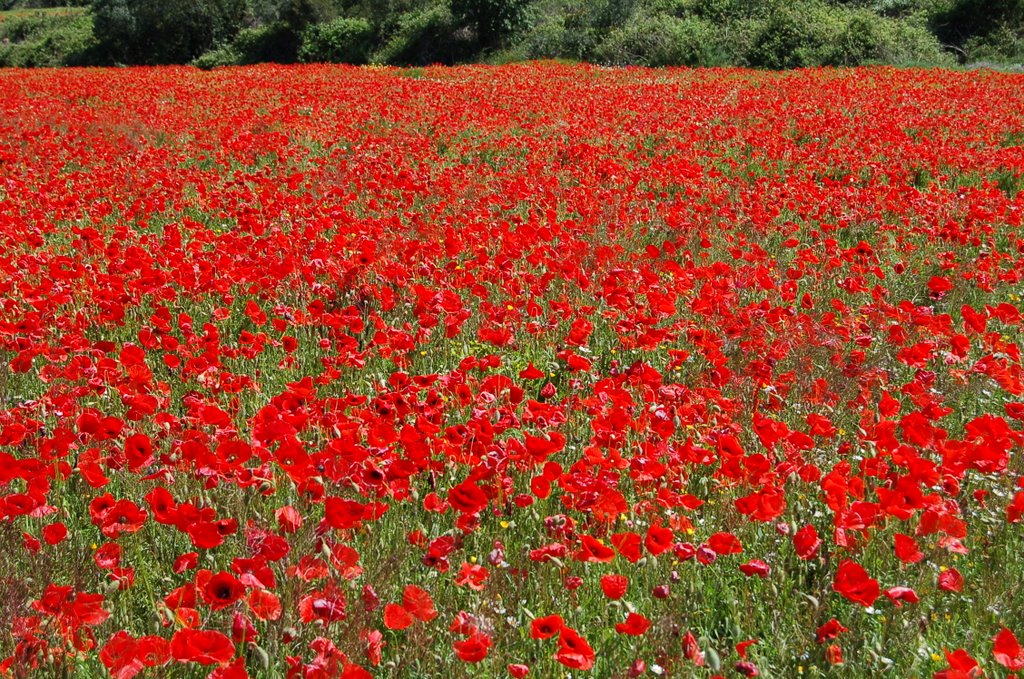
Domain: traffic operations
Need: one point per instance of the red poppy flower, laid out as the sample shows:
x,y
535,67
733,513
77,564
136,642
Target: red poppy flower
x,y
185,562
327,604
573,650
829,631
119,655
691,649
546,627
593,551
659,540
614,586
207,647
418,602
396,617
806,542
635,625
854,583
961,666
467,498
473,576
122,516
221,590
756,567
154,651
1008,651
264,605
628,545
950,580
233,670
288,519
138,450
55,533
907,549
108,556
473,649
898,595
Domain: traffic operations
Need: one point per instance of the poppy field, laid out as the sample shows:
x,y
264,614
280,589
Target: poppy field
x,y
539,370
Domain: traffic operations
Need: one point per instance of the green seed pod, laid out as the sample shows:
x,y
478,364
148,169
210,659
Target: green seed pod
x,y
714,662
262,655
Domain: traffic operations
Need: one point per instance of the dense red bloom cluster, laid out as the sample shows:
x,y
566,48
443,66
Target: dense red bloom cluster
x,y
622,371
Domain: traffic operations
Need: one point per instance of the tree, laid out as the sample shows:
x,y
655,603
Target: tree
x,y
492,20
160,32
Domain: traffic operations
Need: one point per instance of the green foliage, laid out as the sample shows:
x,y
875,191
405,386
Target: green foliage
x,y
275,42
1003,44
795,37
572,29
760,33
271,43
492,21
46,38
660,40
814,34
225,55
159,32
990,30
6,5
426,36
342,40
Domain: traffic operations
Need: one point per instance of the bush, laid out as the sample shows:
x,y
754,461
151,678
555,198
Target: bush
x,y
46,39
814,34
797,36
160,32
342,40
275,43
867,38
1001,45
659,40
571,29
225,55
492,21
428,36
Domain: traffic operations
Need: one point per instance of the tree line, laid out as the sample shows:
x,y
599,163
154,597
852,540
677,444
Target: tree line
x,y
755,33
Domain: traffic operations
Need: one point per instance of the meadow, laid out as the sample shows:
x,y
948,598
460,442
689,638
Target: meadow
x,y
536,370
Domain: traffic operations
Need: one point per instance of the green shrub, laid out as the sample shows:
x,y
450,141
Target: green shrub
x,y
797,36
225,55
815,34
915,45
1001,45
428,36
659,40
492,21
162,32
343,40
572,29
46,39
274,42
868,38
